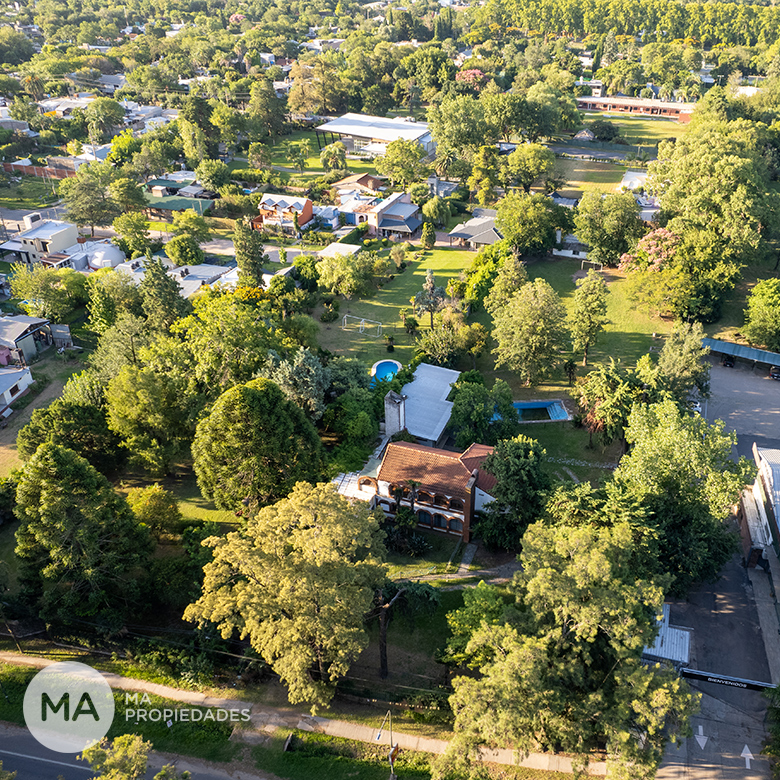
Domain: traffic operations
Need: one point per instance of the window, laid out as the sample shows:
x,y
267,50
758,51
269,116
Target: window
x,y
440,501
424,497
14,390
439,521
456,525
424,518
457,504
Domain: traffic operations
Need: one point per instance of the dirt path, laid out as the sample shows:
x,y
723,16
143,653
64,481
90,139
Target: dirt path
x,y
9,459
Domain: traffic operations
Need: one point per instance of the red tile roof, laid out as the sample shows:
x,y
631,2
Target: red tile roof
x,y
438,471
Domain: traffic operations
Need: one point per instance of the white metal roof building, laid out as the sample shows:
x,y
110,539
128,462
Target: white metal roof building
x,y
426,406
363,130
672,644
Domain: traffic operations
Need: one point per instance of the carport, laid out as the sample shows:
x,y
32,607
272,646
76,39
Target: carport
x,y
743,352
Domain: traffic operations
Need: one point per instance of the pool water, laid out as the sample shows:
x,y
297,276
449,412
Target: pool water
x,y
385,369
541,410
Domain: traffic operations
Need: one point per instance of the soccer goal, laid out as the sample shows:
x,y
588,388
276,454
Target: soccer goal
x,y
591,265
369,327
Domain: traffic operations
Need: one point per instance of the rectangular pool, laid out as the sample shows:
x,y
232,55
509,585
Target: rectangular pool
x,y
535,411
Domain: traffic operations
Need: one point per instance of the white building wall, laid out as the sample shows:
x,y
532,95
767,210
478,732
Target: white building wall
x,y
481,498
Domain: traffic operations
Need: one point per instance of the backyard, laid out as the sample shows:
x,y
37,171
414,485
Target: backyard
x,y
28,193
586,176
640,130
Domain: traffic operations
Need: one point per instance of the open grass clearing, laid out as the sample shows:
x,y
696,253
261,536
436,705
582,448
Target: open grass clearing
x,y
640,130
586,176
443,549
30,193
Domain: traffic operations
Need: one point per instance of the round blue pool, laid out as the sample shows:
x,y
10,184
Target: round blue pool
x,y
385,369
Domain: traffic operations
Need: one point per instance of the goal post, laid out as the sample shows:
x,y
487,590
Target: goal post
x,y
371,328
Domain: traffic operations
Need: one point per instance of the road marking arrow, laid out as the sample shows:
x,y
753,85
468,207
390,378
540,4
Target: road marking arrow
x,y
747,755
700,738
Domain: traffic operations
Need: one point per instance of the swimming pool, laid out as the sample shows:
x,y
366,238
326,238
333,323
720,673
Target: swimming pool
x,y
538,411
385,369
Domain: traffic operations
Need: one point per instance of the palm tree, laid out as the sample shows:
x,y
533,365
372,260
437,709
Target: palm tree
x,y
445,159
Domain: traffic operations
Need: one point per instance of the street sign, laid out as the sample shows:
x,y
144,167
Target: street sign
x,y
722,679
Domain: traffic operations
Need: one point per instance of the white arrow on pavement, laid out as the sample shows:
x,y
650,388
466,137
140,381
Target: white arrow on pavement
x,y
700,738
747,755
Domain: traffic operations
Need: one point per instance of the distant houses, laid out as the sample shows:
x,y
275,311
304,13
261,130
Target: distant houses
x,y
479,231
281,211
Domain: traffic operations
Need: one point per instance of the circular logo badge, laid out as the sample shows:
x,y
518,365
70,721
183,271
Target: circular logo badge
x,y
68,707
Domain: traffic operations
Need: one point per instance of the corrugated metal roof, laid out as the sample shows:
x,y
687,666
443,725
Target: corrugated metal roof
x,y
760,535
671,644
742,351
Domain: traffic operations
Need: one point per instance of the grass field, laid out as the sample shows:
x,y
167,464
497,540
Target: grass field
x,y
586,176
640,130
29,193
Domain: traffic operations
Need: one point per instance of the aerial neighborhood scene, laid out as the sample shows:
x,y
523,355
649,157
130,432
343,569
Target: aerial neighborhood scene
x,y
390,389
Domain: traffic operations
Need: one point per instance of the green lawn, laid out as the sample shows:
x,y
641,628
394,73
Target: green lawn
x,y
30,193
433,562
641,130
384,305
586,176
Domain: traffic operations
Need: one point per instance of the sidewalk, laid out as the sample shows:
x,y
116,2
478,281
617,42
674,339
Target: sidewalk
x,y
767,606
268,719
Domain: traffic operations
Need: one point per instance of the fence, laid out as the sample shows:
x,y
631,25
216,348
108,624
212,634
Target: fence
x,y
42,172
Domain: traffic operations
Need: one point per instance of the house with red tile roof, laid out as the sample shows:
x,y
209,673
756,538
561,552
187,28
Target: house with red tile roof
x,y
451,486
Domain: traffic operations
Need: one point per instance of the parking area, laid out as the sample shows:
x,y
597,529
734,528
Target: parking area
x,y
748,401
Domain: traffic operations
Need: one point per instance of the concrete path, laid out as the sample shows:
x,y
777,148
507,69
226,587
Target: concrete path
x,y
266,720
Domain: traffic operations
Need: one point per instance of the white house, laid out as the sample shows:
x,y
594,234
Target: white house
x,y
13,383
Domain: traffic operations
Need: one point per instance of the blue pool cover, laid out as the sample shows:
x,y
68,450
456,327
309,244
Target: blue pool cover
x,y
387,369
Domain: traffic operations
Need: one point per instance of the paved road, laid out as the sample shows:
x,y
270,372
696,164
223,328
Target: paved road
x,y
12,218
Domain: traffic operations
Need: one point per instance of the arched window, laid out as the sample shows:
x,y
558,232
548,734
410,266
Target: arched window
x,y
439,500
424,497
456,526
367,482
456,504
423,517
439,521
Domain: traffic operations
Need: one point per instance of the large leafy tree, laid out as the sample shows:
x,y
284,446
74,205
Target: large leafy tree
x,y
590,313
485,174
431,298
762,316
349,275
50,293
483,416
82,428
402,163
298,582
682,363
529,163
681,470
87,198
302,378
529,222
519,493
530,332
133,227
564,671
126,757
80,549
111,295
254,446
608,224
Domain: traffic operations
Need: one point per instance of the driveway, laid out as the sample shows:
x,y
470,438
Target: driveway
x,y
748,401
726,639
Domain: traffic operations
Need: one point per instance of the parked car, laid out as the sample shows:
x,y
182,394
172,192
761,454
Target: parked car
x,y
728,361
696,407
774,372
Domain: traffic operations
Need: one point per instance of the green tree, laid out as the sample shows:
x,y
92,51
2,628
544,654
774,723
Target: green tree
x,y
531,332
147,410
259,155
484,174
431,298
87,198
188,223
510,277
103,115
81,428
297,582
681,471
590,313
437,211
52,294
254,446
302,378
156,508
4,774
608,224
519,493
402,162
682,363
428,236
529,163
349,275
565,671
184,250
334,156
128,196
111,294
212,174
133,227
482,416
161,300
762,315
81,552
250,254
126,758
529,222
